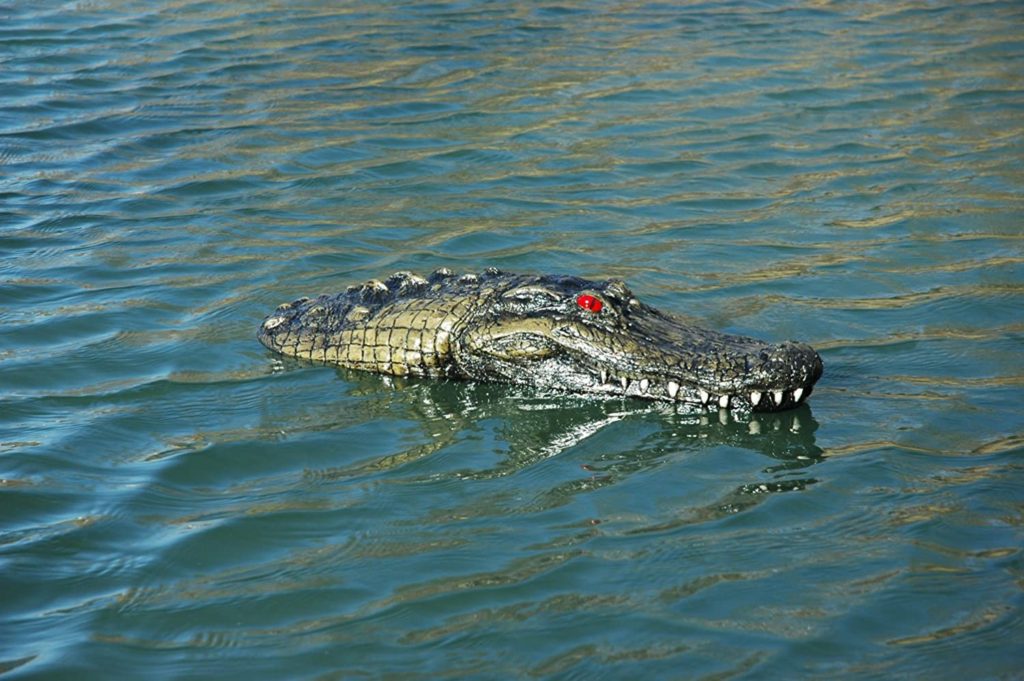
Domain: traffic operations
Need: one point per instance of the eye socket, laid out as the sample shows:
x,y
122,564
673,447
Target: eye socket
x,y
589,302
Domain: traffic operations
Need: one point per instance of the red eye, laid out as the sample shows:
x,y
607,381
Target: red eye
x,y
589,303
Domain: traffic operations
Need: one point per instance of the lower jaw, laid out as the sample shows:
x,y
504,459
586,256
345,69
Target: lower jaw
x,y
667,390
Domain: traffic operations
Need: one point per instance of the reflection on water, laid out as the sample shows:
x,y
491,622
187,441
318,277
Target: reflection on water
x,y
174,500
534,427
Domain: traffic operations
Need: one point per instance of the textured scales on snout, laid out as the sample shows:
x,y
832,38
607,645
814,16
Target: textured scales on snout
x,y
548,331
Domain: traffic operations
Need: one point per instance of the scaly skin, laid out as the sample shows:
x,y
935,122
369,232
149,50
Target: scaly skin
x,y
544,331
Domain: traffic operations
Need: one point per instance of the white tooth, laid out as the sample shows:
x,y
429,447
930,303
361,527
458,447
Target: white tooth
x,y
755,398
644,383
777,396
703,395
723,401
624,382
754,427
797,394
673,389
604,376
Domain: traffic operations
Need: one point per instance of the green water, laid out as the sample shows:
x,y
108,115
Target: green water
x,y
177,503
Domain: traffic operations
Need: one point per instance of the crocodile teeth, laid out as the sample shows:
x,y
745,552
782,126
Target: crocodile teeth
x,y
624,382
723,401
797,394
673,389
604,376
644,384
755,398
703,395
777,396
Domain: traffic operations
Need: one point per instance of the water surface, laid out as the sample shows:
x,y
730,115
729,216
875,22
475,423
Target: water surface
x,y
177,503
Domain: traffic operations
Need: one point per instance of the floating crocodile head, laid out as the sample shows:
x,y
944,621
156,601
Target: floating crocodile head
x,y
547,331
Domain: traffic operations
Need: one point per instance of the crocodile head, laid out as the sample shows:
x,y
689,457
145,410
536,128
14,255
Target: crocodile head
x,y
549,332
568,333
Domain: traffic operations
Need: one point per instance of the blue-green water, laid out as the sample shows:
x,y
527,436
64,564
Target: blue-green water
x,y
176,503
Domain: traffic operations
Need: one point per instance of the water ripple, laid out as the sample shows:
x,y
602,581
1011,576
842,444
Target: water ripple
x,y
179,501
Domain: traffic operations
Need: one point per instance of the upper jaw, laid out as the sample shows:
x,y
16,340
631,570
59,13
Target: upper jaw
x,y
647,385
675,361
763,378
